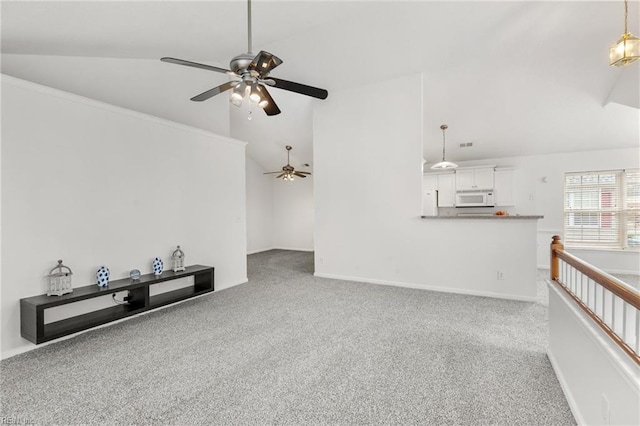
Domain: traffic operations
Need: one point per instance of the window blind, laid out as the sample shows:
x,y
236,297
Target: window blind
x,y
602,209
632,196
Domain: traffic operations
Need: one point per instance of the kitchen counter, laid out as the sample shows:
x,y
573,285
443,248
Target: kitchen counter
x,y
480,216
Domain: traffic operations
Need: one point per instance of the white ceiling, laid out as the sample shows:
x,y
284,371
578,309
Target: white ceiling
x,y
512,77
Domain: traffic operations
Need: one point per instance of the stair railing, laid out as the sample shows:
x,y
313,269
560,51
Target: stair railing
x,y
611,303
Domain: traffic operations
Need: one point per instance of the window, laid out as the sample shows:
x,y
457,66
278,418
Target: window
x,y
602,209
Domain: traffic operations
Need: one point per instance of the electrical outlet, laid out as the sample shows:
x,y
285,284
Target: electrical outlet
x,y
500,275
605,410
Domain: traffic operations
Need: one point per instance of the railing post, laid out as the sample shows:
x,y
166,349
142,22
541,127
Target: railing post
x,y
555,262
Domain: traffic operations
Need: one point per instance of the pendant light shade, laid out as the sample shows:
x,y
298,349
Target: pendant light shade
x,y
627,49
444,164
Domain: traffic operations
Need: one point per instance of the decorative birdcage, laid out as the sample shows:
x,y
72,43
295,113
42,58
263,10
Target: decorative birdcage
x,y
178,260
59,280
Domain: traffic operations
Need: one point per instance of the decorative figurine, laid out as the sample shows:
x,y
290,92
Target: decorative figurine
x,y
59,280
178,260
158,266
134,274
102,276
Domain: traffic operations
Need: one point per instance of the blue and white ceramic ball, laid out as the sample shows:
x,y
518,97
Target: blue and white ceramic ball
x,y
158,266
102,276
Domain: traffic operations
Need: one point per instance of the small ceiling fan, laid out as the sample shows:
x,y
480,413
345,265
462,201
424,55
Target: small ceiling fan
x,y
288,172
250,78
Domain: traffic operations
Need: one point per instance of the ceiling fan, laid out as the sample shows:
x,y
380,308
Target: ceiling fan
x,y
288,172
250,78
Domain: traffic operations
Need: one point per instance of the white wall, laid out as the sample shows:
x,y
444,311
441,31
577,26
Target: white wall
x,y
590,367
259,208
279,213
293,214
368,178
95,184
289,222
146,85
535,196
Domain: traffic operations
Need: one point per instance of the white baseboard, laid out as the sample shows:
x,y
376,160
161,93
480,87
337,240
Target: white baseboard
x,y
22,349
260,250
427,287
244,281
294,249
280,248
565,389
31,346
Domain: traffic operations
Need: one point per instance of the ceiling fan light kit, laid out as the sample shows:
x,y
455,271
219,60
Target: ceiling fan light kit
x,y
250,78
288,172
627,49
444,164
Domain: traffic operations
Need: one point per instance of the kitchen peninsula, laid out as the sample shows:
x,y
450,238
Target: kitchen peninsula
x,y
483,254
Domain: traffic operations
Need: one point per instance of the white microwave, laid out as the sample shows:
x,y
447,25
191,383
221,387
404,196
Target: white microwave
x,y
474,199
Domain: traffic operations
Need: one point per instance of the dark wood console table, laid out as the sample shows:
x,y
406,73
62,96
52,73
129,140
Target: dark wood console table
x,y
34,329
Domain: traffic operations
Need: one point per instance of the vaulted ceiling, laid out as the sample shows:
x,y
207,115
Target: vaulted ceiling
x,y
512,77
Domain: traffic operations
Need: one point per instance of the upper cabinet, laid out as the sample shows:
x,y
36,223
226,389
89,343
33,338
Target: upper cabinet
x,y
487,178
474,179
446,190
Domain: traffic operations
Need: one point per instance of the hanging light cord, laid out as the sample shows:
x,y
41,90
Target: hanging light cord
x,y
443,127
626,12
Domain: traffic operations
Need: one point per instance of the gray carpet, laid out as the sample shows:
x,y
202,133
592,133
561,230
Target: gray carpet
x,y
288,348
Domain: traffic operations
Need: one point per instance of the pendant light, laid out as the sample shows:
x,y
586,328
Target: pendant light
x,y
444,164
627,49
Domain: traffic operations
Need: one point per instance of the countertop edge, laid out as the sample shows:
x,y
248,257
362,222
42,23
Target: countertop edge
x,y
494,217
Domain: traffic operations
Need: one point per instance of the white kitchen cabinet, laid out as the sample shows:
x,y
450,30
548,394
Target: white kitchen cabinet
x,y
429,181
474,179
464,179
444,183
504,194
446,190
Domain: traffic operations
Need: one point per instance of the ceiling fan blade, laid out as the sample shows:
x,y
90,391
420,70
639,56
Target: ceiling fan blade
x,y
304,173
299,174
303,89
263,63
272,173
280,175
196,65
270,108
215,91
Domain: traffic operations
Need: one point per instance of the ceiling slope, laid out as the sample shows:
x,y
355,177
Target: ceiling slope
x,y
514,78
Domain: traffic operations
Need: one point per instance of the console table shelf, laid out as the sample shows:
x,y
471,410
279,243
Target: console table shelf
x,y
34,329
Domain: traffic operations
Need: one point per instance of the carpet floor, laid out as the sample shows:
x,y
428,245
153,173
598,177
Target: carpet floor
x,y
290,348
